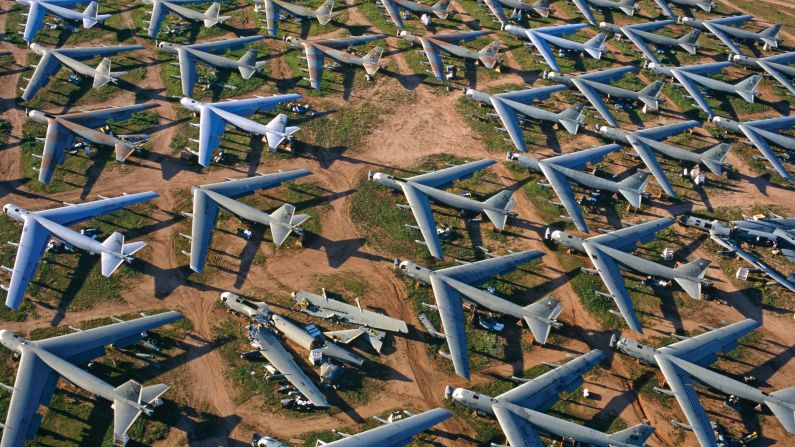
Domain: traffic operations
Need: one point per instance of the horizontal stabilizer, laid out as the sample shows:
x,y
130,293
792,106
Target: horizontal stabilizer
x,y
783,410
747,88
541,316
632,188
689,277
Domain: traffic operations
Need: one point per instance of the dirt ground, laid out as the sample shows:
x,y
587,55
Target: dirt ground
x,y
428,125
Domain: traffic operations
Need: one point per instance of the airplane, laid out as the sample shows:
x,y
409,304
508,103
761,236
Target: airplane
x,y
625,6
544,37
38,227
209,199
779,231
273,10
693,76
609,252
207,53
648,141
62,130
43,362
394,7
778,66
214,117
420,190
563,169
38,9
723,29
665,5
436,45
497,8
161,8
454,285
641,35
393,433
317,49
595,84
509,105
701,349
53,58
761,133
520,410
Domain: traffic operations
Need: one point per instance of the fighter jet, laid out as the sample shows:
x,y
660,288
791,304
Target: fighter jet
x,y
497,8
722,29
38,9
214,117
646,142
691,77
641,35
436,45
53,58
209,199
625,6
544,37
62,130
393,433
160,8
317,49
207,53
610,251
273,9
420,190
509,105
42,362
778,66
761,133
563,169
40,226
665,5
454,285
394,7
595,84
520,410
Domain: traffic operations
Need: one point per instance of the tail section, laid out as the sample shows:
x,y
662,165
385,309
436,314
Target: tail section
x,y
783,408
705,5
770,35
102,73
489,55
596,46
542,8
627,6
440,9
283,221
650,95
715,157
115,251
498,206
323,13
636,435
248,64
372,60
632,188
277,131
90,17
212,16
541,316
130,401
688,41
571,118
689,277
123,151
747,88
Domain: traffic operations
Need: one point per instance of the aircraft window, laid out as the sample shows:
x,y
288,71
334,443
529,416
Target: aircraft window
x,y
568,236
640,346
475,396
416,267
707,226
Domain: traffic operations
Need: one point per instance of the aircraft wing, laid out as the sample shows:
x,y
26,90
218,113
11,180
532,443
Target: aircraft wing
x,y
666,8
314,61
641,45
96,118
245,186
585,9
530,95
499,12
72,214
245,107
650,160
761,143
595,99
777,74
607,76
47,67
394,12
463,36
211,129
518,431
423,215
705,69
693,90
35,21
661,132
395,434
90,52
187,73
31,248
445,177
543,48
158,17
480,271
434,58
702,349
772,124
34,385
56,141
349,41
451,312
722,36
611,276
560,184
510,120
756,262
626,239
579,160
733,20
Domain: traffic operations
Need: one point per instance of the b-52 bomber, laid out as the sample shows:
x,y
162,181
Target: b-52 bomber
x,y
497,8
761,133
665,5
563,169
43,362
610,251
593,85
273,9
53,58
778,66
641,35
63,129
436,45
208,200
542,39
453,286
189,56
316,51
420,190
161,8
40,226
626,6
394,7
39,9
723,29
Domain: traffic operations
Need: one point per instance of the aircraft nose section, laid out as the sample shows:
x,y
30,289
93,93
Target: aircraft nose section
x,y
716,119
448,392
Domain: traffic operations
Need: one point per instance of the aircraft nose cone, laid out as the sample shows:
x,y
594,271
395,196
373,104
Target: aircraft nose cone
x,y
403,33
715,119
448,392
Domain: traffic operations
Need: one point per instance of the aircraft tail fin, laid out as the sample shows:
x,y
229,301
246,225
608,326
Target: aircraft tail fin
x,y
541,316
284,221
689,277
115,251
489,55
124,412
632,187
770,35
90,17
714,158
323,13
636,435
123,150
372,60
650,95
498,207
595,46
440,9
571,118
688,41
784,410
212,15
102,73
248,64
277,131
747,88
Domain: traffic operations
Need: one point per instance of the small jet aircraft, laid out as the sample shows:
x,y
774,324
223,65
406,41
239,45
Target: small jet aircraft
x,y
160,8
544,37
440,9
626,6
642,36
778,66
420,190
53,58
723,29
273,9
207,53
436,45
38,9
208,200
317,49
563,169
593,85
214,117
43,362
665,5
453,286
497,8
761,133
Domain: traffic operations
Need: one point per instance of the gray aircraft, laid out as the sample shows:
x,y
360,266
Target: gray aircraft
x,y
665,5
778,66
520,410
692,78
63,129
207,53
593,85
436,45
214,117
646,142
273,9
497,8
394,7
563,169
393,433
316,51
779,231
454,285
52,59
209,199
642,36
41,226
542,39
722,29
63,9
761,133
161,8
509,105
609,252
43,362
626,6
420,190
